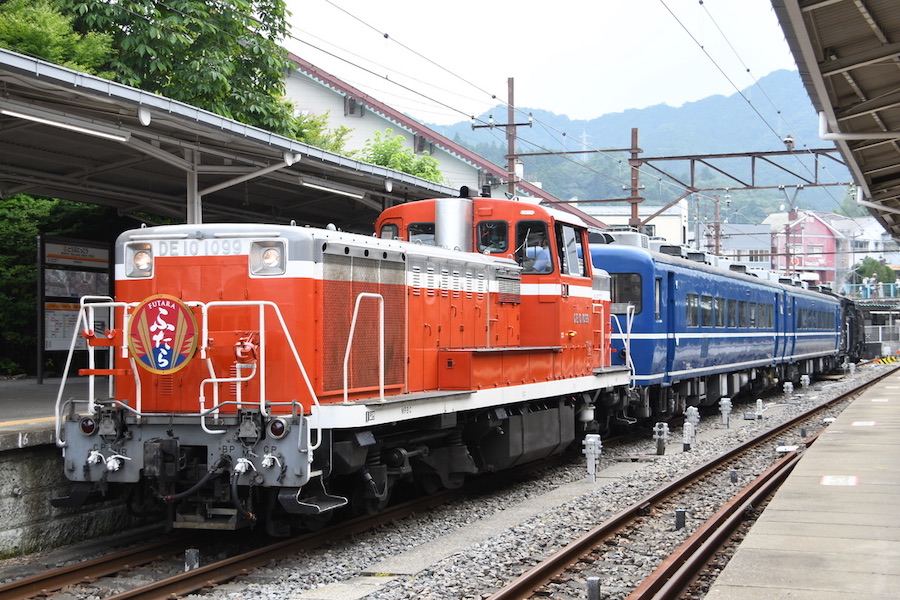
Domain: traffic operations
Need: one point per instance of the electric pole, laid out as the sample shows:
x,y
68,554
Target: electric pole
x,y
510,127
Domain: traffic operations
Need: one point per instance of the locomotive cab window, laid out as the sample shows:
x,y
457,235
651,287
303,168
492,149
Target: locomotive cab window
x,y
422,233
389,231
493,237
625,290
570,239
534,250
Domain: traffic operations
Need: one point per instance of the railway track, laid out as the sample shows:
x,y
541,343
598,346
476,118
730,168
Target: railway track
x,y
45,583
50,581
678,567
675,573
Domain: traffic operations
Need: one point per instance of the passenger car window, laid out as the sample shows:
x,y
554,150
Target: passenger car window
x,y
692,305
625,290
657,299
706,311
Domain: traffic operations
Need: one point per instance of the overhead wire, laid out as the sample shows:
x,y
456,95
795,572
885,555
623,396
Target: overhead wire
x,y
405,47
779,112
547,127
494,98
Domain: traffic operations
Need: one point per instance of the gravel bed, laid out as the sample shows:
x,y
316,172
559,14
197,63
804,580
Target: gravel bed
x,y
477,570
481,569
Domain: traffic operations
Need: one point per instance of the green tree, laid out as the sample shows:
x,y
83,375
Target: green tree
x,y
37,28
313,130
223,57
389,150
869,266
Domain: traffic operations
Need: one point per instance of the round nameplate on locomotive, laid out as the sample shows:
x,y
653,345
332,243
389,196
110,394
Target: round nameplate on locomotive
x,y
162,334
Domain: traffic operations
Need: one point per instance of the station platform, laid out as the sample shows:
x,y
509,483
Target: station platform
x,y
832,531
27,409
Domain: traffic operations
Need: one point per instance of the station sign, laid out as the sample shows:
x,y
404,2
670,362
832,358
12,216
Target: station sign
x,y
67,270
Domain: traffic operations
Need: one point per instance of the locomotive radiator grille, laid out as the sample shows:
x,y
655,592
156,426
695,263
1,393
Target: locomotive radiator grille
x,y
345,277
510,288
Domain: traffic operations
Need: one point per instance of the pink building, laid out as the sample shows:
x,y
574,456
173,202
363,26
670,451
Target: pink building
x,y
805,243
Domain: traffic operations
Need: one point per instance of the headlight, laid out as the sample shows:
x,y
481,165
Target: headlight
x,y
142,261
267,258
139,260
271,258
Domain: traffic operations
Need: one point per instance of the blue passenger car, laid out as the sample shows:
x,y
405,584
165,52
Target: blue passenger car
x,y
693,333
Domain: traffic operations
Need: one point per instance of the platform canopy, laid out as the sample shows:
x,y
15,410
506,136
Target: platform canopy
x,y
69,135
848,53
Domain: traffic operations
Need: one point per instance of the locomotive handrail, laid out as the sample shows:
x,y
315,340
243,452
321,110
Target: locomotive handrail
x,y
85,322
86,305
359,299
204,307
214,410
626,339
214,379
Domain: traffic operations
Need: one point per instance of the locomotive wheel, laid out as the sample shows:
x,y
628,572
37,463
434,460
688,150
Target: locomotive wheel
x,y
316,522
428,483
363,505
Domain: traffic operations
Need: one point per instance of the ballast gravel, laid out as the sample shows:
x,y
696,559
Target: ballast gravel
x,y
471,549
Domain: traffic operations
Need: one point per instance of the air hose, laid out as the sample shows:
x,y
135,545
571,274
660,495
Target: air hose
x,y
213,472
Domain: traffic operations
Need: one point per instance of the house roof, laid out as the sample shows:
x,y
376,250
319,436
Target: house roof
x,y
837,224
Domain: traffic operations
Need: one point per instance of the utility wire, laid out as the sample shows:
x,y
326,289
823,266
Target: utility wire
x,y
778,111
563,135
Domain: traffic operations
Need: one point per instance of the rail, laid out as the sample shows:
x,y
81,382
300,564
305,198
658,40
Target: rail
x,y
670,580
525,585
41,584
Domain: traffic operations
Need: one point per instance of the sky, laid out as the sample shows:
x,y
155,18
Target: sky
x,y
442,62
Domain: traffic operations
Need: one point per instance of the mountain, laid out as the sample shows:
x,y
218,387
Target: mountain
x,y
754,120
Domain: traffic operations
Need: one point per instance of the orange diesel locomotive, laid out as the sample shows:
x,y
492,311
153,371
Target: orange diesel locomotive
x,y
288,371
